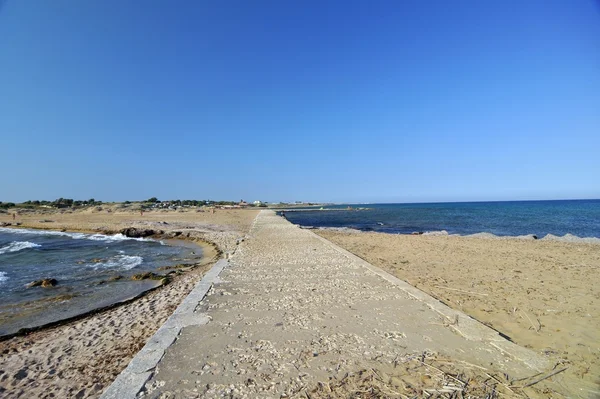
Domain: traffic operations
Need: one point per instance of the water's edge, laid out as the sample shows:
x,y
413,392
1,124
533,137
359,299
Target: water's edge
x,y
209,250
571,238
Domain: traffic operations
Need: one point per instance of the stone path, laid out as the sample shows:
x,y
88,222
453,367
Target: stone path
x,y
292,309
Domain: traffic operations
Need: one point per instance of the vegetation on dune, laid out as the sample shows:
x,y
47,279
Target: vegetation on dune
x,y
146,204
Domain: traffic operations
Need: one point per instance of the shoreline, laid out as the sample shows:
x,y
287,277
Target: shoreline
x,y
206,247
210,254
81,357
568,237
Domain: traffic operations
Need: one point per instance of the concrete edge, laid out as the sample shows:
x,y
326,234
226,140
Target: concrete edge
x,y
460,322
131,380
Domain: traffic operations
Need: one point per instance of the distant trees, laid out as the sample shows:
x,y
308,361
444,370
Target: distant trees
x,y
150,203
178,202
59,203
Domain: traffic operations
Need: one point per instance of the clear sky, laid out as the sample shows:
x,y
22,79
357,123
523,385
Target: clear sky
x,y
391,101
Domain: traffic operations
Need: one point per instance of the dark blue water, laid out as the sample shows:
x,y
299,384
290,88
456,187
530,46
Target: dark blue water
x,y
85,266
577,217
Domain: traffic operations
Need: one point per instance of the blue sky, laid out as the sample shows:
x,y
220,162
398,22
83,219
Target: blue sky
x,y
300,100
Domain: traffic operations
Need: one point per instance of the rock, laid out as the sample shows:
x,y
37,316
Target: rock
x,y
165,280
416,233
115,278
4,224
45,283
46,221
134,232
147,276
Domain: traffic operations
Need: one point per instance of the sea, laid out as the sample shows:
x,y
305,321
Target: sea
x,y
92,271
571,219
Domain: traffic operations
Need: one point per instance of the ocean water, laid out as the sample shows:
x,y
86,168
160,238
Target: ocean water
x,y
580,218
84,266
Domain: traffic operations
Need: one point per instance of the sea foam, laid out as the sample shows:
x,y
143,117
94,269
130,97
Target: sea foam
x,y
123,262
3,277
116,237
17,246
572,238
76,236
43,232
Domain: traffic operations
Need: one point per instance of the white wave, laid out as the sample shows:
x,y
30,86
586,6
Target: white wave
x,y
495,237
436,233
341,229
3,277
549,237
572,238
123,262
17,246
76,236
116,237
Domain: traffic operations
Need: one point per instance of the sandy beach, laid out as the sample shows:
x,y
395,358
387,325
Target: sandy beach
x,y
544,295
81,358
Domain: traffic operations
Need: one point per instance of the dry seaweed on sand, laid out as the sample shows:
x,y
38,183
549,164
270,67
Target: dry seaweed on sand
x,y
423,375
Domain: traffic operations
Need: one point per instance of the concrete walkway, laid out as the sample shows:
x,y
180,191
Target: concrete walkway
x,y
292,309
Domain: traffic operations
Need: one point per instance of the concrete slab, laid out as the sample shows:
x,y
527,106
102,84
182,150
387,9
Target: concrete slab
x,y
129,383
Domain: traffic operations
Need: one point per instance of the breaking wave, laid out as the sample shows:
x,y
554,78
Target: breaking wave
x,y
17,246
76,236
122,262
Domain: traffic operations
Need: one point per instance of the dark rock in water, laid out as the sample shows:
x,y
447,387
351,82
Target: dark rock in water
x,y
134,232
147,276
175,267
416,233
534,237
49,282
45,283
110,280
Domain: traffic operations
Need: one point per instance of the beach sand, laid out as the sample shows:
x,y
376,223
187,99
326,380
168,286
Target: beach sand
x,y
544,295
81,358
